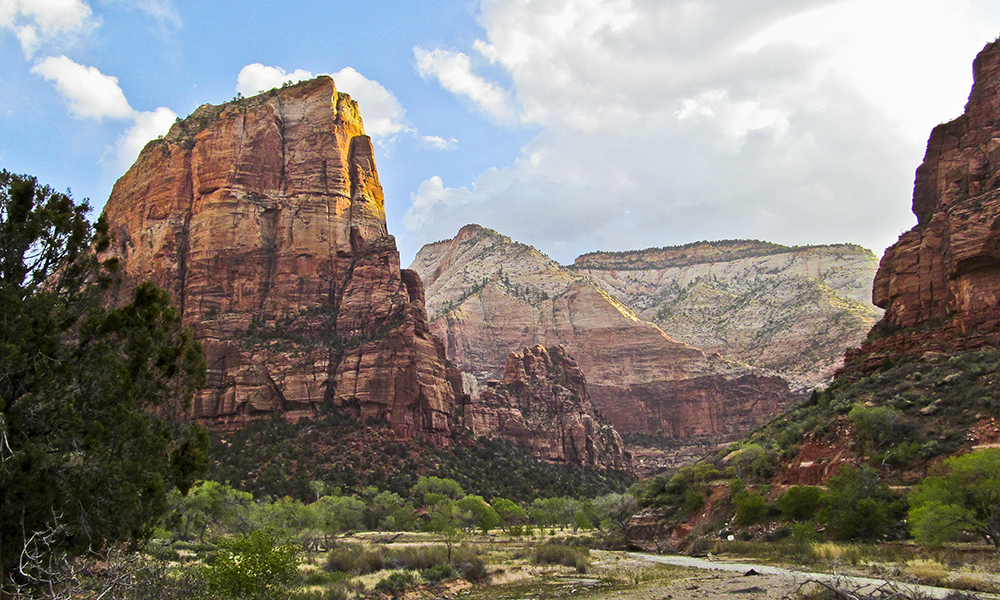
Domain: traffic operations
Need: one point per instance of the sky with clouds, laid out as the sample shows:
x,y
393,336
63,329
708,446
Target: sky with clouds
x,y
571,125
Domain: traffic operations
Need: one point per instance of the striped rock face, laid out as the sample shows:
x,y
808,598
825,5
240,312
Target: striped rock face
x,y
265,219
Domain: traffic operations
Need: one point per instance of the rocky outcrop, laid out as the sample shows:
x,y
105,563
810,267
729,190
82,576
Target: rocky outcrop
x,y
489,296
940,283
542,404
265,219
791,310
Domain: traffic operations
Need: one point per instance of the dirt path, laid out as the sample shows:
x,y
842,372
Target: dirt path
x,y
731,580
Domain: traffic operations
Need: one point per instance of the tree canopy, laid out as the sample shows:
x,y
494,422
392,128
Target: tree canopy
x,y
81,452
965,500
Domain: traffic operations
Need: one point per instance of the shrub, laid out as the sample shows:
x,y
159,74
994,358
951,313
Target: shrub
x,y
396,582
254,566
859,505
799,503
356,558
561,554
438,572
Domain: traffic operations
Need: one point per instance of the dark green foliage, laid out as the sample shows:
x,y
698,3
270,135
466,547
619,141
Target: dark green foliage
x,y
681,494
81,454
751,507
396,582
438,573
860,506
277,458
799,503
902,417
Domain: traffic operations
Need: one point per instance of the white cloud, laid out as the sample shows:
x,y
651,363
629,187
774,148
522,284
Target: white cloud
x,y
94,95
37,21
439,143
798,121
90,93
146,126
382,113
161,10
453,70
432,196
256,78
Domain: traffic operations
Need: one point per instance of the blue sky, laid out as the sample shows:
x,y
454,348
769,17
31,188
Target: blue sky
x,y
571,125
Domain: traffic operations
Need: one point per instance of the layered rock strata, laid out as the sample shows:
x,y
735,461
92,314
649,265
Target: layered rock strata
x,y
489,296
793,310
940,282
542,404
264,217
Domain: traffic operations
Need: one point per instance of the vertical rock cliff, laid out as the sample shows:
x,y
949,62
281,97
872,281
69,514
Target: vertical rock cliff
x,y
940,283
264,218
542,404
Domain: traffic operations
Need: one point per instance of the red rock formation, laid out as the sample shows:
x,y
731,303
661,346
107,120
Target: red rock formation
x,y
264,217
542,404
940,283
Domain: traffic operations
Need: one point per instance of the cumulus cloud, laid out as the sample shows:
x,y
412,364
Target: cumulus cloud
x,y
256,78
382,112
146,125
431,196
668,122
35,22
453,70
94,95
90,93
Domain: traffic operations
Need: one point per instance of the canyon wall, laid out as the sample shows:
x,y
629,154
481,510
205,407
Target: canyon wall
x,y
793,310
264,218
488,296
940,282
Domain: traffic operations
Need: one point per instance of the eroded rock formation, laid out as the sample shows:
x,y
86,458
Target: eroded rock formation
x,y
940,283
264,217
542,404
489,296
791,310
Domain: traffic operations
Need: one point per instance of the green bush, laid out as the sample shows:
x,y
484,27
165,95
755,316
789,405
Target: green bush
x,y
438,572
751,507
356,558
254,566
396,582
860,506
799,503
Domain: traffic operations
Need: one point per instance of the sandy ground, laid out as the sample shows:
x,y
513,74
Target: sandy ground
x,y
685,579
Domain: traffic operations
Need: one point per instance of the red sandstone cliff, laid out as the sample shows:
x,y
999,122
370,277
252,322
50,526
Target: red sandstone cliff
x,y
264,218
542,404
940,283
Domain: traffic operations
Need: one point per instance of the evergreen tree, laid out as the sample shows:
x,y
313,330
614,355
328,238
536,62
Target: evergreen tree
x,y
82,457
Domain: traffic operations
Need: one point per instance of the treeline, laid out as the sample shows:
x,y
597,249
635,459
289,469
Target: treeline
x,y
212,510
275,458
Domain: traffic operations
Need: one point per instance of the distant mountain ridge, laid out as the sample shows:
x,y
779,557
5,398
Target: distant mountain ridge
x,y
488,295
794,310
